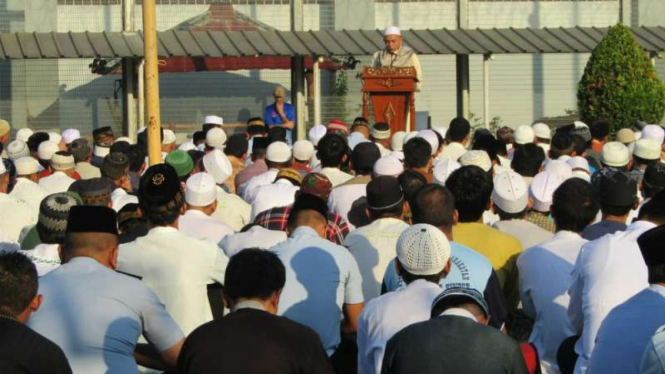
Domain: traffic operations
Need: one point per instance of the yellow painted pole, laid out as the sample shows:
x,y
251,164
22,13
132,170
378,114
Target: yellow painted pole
x,y
151,82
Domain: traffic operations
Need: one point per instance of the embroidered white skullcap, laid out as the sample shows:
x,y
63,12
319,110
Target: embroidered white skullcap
x,y
47,149
303,150
397,142
511,193
541,130
26,166
256,237
388,165
24,134
653,132
62,162
560,169
443,169
169,137
648,149
201,190
218,166
542,189
17,149
615,154
213,120
215,137
524,135
278,152
478,158
392,30
69,135
431,138
316,133
54,137
423,249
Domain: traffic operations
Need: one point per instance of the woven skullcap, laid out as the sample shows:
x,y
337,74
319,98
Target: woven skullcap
x,y
218,166
62,161
17,149
115,165
54,212
380,131
80,148
510,193
423,249
181,161
201,190
93,191
47,149
478,158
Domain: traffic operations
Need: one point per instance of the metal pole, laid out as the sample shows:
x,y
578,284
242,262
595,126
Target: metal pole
x,y
152,82
141,98
486,89
128,75
316,74
298,72
462,64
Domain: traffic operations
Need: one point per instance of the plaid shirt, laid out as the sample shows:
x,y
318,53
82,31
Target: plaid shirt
x,y
276,218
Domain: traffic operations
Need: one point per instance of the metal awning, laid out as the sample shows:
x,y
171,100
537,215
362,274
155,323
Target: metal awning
x,y
174,43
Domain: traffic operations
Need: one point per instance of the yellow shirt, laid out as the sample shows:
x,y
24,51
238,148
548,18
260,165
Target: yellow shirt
x,y
500,249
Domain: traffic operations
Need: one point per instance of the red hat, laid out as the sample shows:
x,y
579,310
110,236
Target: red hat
x,y
337,125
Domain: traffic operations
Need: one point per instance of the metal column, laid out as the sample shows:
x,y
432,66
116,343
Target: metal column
x,y
462,64
128,76
298,73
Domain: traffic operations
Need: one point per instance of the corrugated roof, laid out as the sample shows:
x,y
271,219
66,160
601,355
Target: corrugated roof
x,y
178,43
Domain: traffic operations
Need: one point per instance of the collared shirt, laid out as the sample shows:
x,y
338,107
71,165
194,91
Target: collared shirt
x,y
232,210
256,237
320,278
545,276
608,272
14,216
336,176
653,360
276,219
347,196
626,331
528,233
260,180
200,225
30,192
249,172
542,220
403,57
46,257
56,182
374,246
275,195
87,171
384,316
97,315
273,118
178,268
452,151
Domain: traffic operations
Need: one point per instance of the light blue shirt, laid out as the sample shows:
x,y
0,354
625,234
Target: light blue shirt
x,y
469,269
97,315
320,278
653,361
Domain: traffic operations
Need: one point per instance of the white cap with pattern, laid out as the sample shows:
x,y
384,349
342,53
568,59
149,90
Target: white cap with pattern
x,y
201,190
423,249
511,193
477,158
17,149
542,190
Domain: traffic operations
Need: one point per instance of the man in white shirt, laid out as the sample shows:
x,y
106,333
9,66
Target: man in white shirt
x,y
231,209
62,165
280,193
373,246
396,54
628,328
457,137
348,199
608,271
545,270
176,266
423,258
201,198
323,284
26,188
278,156
14,214
333,151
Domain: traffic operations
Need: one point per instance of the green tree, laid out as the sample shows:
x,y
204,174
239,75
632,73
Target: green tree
x,y
620,84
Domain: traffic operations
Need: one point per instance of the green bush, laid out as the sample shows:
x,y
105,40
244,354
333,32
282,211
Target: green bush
x,y
620,84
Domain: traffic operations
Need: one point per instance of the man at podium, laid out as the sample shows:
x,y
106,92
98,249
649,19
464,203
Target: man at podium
x,y
396,54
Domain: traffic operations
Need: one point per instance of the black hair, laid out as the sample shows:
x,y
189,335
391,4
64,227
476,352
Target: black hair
x,y
36,139
254,273
197,158
656,273
579,144
277,134
136,155
198,137
411,182
417,153
654,209
363,158
642,161
599,129
574,205
236,145
615,210
278,165
306,202
527,159
121,147
331,150
11,171
651,183
489,144
458,129
162,218
472,188
562,144
18,282
434,205
395,211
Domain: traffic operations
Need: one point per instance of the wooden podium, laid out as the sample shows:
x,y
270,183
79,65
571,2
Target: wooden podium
x,y
392,91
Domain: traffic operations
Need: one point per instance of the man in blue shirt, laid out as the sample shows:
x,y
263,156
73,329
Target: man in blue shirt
x,y
281,113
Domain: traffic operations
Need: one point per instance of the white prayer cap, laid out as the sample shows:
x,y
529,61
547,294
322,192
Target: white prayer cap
x,y
541,130
648,149
579,124
26,166
392,30
388,165
24,134
54,137
316,133
524,135
560,169
653,132
101,151
169,137
126,139
120,201
477,158
441,130
213,120
256,237
278,152
354,139
201,190
578,162
17,149
47,149
431,138
510,193
70,135
397,142
218,166
187,146
303,150
410,136
62,162
615,154
423,249
443,169
215,137
542,189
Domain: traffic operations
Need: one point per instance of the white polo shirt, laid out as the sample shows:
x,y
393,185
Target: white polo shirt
x,y
201,226
14,216
178,267
278,194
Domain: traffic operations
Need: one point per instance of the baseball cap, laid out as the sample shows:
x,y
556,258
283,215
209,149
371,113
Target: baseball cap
x,y
423,249
511,193
615,154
